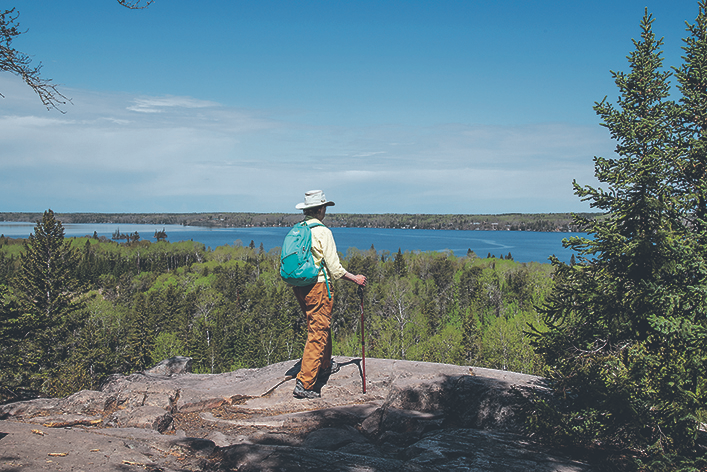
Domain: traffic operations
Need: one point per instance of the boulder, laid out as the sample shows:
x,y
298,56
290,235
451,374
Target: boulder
x,y
150,417
177,365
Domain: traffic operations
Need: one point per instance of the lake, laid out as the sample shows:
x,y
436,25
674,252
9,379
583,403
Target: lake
x,y
524,246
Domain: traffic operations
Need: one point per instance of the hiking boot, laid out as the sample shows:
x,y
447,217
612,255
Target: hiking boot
x,y
332,369
301,392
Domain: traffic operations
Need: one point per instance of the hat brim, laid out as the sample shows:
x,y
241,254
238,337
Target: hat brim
x,y
304,206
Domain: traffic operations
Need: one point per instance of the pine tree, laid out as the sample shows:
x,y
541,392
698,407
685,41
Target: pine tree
x,y
140,335
471,337
399,264
47,277
49,295
623,347
692,123
12,330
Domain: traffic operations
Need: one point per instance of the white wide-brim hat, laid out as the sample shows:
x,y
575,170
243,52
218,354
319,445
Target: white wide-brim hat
x,y
314,198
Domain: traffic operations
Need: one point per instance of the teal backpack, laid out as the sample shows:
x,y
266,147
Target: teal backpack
x,y
297,266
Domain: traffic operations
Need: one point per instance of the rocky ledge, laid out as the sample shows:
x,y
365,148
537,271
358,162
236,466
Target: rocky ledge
x,y
414,416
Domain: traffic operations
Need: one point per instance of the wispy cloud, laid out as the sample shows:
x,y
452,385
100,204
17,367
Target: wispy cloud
x,y
159,104
114,152
368,154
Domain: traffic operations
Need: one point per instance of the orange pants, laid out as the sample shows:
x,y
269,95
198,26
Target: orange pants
x,y
317,306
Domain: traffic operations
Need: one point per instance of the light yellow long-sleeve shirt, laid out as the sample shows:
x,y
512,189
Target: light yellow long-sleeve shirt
x,y
324,247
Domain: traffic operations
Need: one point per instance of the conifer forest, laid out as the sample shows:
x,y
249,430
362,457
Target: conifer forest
x,y
77,310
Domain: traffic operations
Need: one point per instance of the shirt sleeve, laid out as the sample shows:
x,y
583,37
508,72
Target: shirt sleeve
x,y
324,247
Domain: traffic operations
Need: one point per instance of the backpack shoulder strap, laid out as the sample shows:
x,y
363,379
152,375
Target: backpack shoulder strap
x,y
323,267
313,225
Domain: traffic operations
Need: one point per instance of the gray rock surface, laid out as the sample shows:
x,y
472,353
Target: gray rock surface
x,y
172,366
414,416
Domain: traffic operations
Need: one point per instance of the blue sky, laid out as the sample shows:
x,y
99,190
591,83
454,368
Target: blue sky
x,y
388,106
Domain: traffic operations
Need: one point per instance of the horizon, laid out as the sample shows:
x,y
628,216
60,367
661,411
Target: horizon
x,y
329,213
389,107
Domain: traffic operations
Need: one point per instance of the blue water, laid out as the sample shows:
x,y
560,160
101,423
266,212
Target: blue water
x,y
524,246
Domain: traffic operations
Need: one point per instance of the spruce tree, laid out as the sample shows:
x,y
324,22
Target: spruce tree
x,y
623,346
692,122
49,295
399,264
140,335
47,276
11,335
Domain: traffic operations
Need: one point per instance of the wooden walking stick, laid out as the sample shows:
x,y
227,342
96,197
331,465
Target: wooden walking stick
x,y
363,341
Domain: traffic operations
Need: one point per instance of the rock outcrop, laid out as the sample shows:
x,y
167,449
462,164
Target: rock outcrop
x,y
414,416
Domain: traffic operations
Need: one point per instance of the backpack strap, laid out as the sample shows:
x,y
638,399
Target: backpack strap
x,y
324,268
326,279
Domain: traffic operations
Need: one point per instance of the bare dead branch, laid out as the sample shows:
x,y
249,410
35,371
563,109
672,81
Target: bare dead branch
x,y
18,63
135,4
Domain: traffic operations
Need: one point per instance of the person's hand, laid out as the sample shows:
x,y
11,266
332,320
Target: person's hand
x,y
360,280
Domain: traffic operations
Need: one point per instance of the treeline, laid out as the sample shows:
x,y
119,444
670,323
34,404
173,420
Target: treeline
x,y
134,304
505,222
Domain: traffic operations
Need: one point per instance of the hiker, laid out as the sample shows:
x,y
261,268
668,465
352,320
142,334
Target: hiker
x,y
317,300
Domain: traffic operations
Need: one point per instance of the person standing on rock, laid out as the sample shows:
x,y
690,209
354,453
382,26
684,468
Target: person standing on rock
x,y
317,300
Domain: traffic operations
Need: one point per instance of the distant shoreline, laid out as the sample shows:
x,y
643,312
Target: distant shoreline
x,y
544,222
